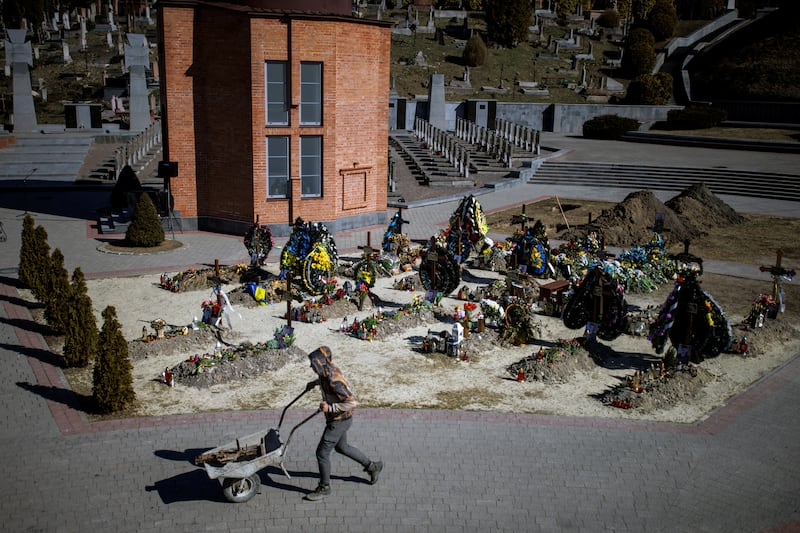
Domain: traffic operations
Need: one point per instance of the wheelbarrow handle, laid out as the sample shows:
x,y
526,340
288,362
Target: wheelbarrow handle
x,y
289,439
283,413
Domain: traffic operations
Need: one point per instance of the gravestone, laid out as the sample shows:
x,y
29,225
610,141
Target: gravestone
x,y
137,59
65,20
436,103
19,55
83,33
65,52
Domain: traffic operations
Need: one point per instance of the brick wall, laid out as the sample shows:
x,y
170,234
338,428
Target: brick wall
x,y
215,98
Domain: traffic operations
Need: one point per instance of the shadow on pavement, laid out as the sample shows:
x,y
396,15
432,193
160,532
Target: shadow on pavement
x,y
52,198
64,396
189,486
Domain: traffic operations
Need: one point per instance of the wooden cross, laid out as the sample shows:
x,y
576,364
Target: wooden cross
x,y
686,258
433,258
521,219
400,220
778,273
368,251
457,228
658,224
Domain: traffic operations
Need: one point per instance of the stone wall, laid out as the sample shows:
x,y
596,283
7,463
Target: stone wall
x,y
557,118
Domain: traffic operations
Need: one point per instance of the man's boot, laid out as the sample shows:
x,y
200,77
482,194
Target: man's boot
x,y
322,491
374,470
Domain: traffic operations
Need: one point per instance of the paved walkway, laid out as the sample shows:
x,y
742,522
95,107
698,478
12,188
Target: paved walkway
x,y
738,470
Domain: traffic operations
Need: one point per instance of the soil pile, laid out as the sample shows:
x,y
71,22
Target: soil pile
x,y
686,216
700,209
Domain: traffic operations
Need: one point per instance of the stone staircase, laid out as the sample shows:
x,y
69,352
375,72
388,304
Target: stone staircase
x,y
435,170
725,181
429,168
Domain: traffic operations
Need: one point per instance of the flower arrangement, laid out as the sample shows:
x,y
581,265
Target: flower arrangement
x,y
763,307
492,310
211,310
659,329
320,259
258,241
363,292
282,338
329,286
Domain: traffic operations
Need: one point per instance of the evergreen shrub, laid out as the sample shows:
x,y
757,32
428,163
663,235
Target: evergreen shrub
x,y
695,118
81,333
608,127
112,380
145,229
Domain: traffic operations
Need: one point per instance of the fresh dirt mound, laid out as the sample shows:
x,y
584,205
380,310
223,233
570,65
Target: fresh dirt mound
x,y
630,222
700,209
687,216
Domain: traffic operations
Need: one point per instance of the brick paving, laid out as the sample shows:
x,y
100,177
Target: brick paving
x,y
737,470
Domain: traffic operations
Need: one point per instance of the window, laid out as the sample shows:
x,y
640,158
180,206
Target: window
x,y
276,74
278,167
311,165
311,94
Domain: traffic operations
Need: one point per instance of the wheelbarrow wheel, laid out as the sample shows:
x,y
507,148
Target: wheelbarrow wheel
x,y
238,490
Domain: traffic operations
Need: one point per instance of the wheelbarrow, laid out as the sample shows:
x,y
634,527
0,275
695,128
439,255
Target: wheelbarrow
x,y
236,464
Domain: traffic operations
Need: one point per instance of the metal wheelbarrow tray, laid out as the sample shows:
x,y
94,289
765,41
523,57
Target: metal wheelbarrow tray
x,y
236,464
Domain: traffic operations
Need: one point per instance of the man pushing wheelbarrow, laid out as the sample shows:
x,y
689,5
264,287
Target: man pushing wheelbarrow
x,y
337,403
236,464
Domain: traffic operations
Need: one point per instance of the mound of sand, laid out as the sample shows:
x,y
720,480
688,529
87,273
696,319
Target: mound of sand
x,y
700,209
686,216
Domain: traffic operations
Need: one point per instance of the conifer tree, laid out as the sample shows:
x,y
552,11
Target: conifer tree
x,y
27,254
58,289
40,275
507,21
475,52
112,379
80,342
145,229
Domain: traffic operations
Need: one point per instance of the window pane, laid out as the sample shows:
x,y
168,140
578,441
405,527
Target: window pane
x,y
277,95
277,167
311,166
311,93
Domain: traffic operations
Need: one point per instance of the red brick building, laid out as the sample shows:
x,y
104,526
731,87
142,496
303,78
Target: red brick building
x,y
274,109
